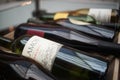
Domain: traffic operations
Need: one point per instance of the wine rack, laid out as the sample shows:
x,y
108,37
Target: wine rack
x,y
114,69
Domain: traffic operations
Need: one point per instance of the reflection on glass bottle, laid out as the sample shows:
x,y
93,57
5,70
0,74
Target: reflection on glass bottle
x,y
64,62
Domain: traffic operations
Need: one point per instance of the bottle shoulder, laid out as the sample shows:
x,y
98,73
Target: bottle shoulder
x,y
19,43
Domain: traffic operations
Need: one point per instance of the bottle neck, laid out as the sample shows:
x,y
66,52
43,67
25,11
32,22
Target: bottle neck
x,y
5,42
47,16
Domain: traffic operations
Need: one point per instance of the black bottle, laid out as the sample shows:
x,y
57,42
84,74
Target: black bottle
x,y
15,67
62,61
67,37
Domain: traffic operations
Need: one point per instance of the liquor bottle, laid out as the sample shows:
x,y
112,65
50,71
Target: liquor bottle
x,y
65,30
93,30
51,17
95,14
66,36
101,15
15,67
63,62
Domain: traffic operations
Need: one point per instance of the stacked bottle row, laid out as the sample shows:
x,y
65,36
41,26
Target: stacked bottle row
x,y
62,47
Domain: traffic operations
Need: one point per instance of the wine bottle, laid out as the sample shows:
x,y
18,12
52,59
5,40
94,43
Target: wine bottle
x,y
63,62
65,30
93,30
15,67
50,17
101,15
67,37
94,14
7,73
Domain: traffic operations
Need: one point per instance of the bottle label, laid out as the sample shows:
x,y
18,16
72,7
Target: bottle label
x,y
61,15
35,32
102,15
41,50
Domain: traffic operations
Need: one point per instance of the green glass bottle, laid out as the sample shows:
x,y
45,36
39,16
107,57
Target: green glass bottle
x,y
93,15
51,17
108,18
64,62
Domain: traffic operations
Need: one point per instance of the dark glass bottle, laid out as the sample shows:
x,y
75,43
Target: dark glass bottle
x,y
92,30
64,62
100,31
67,37
15,67
50,17
66,27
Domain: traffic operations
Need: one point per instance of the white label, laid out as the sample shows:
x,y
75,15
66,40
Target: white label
x,y
102,15
41,50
